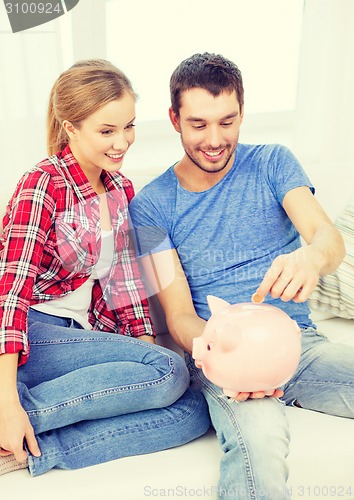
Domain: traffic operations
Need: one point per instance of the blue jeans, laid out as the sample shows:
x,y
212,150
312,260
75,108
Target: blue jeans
x,y
93,397
254,434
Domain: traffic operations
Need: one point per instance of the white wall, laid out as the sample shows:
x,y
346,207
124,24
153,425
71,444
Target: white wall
x,y
320,132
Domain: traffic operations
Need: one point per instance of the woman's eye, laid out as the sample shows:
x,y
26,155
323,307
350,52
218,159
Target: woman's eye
x,y
106,132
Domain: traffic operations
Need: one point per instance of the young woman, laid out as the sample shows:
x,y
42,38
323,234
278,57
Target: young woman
x,y
77,351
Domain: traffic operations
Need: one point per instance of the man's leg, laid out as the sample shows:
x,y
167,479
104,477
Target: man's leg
x,y
324,380
254,437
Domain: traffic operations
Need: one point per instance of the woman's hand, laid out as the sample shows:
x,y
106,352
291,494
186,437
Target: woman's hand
x,y
15,429
147,338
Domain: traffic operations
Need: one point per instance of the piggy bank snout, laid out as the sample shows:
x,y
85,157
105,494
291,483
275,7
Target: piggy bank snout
x,y
198,350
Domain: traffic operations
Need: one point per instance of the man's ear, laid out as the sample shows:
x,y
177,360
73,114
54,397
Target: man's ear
x,y
242,112
174,120
70,129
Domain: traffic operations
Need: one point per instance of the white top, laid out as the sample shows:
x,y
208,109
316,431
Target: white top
x,y
75,305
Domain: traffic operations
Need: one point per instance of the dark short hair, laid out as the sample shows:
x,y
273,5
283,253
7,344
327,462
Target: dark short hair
x,y
211,72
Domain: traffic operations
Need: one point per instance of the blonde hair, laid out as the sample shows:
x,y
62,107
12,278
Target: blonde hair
x,y
80,91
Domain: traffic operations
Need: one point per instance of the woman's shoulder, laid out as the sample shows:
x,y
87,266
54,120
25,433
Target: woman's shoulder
x,y
42,180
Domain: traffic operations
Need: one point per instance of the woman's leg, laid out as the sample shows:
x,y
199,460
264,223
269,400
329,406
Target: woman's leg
x,y
93,397
254,437
96,441
74,375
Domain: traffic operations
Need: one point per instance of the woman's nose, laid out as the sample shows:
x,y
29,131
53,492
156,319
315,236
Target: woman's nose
x,y
120,142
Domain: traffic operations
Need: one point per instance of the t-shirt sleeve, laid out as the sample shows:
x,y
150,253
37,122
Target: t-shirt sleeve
x,y
150,225
284,172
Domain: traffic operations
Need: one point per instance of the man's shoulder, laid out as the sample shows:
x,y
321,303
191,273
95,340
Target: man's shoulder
x,y
165,183
263,150
264,158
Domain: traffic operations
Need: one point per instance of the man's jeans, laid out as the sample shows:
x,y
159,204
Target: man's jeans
x,y
254,434
93,397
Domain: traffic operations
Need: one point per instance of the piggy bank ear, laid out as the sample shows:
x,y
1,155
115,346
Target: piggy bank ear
x,y
227,338
216,305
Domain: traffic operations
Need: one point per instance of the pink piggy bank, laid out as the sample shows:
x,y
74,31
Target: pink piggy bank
x,y
247,347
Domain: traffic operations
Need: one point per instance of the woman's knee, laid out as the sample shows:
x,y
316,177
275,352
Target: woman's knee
x,y
179,380
191,415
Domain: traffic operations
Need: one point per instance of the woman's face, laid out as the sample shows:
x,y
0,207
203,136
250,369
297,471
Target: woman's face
x,y
103,138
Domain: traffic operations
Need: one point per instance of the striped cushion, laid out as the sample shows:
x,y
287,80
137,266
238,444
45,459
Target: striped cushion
x,y
335,292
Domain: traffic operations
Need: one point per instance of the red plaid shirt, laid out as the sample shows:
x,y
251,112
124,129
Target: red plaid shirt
x,y
50,244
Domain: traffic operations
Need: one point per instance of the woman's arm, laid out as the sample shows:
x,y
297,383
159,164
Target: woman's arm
x,y
26,226
25,230
15,427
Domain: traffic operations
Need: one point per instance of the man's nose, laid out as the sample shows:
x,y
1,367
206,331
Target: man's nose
x,y
214,137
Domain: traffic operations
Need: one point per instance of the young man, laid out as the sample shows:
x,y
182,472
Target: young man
x,y
226,220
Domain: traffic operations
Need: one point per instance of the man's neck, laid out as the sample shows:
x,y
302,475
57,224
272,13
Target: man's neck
x,y
193,178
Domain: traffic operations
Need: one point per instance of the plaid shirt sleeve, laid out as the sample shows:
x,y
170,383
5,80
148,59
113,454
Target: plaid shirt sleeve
x,y
25,227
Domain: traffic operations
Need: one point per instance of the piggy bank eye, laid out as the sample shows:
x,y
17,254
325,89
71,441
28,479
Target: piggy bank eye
x,y
209,346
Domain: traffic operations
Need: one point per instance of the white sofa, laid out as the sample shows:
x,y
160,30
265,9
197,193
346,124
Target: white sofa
x,y
321,455
321,461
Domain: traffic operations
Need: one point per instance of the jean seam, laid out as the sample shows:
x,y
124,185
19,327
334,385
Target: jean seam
x,y
111,391
109,337
103,393
226,406
131,429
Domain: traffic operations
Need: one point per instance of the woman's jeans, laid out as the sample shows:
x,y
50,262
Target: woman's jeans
x,y
93,397
254,434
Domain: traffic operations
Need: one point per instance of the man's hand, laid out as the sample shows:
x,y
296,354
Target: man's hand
x,y
291,276
243,396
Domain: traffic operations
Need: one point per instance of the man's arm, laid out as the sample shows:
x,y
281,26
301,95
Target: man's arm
x,y
167,278
294,276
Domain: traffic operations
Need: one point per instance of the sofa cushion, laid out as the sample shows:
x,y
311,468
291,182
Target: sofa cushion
x,y
335,292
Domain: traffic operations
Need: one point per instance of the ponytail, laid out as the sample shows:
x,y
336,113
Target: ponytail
x,y
56,135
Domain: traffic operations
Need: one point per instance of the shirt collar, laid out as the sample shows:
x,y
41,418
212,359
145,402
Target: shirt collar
x,y
77,176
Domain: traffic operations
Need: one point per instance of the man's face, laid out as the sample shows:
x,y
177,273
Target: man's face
x,y
209,128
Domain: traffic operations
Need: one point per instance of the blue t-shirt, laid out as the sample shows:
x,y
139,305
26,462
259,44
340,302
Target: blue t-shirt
x,y
228,235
